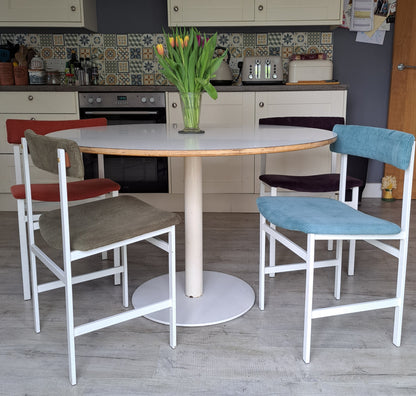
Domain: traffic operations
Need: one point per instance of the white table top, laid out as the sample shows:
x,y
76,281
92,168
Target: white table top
x,y
160,140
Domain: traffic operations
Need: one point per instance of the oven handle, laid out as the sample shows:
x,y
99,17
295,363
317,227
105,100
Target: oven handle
x,y
128,112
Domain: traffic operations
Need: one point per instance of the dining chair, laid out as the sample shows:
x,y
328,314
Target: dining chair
x,y
318,183
49,192
325,218
89,228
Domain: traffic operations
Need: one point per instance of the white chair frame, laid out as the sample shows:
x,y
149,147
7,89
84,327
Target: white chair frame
x,y
66,280
309,264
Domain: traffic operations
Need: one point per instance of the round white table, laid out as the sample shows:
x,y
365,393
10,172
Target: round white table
x,y
203,297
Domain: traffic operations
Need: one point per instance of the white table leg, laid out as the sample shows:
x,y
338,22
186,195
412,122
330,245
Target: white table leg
x,y
193,227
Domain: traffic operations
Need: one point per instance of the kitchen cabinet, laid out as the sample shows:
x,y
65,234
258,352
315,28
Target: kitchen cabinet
x,y
299,103
254,12
220,174
47,13
29,105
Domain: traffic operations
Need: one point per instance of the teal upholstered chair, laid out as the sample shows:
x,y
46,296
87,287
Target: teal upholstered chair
x,y
86,229
325,219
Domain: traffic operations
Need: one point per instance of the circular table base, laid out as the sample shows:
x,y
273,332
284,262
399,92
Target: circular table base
x,y
225,298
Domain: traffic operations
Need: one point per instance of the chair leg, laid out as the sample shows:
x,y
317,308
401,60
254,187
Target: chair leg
x,y
338,271
351,257
24,255
272,251
116,255
125,277
172,287
35,294
401,280
262,262
308,299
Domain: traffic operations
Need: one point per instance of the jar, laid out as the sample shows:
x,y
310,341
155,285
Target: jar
x,y
36,63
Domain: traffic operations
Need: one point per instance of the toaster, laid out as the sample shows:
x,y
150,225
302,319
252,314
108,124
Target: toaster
x,y
262,70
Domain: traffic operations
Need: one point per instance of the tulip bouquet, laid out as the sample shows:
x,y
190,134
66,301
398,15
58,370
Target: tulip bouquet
x,y
189,64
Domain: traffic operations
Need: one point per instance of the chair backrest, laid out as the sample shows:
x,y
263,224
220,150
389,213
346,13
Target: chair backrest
x,y
16,128
43,150
385,145
308,122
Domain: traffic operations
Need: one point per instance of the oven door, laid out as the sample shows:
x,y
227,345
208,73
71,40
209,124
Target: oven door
x,y
134,174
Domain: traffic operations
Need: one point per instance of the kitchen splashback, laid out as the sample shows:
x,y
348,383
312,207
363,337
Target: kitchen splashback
x,y
128,59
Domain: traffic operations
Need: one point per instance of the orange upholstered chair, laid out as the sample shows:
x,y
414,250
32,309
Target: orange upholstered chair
x,y
77,190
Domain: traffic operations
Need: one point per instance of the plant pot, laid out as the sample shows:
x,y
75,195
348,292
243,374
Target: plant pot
x,y
387,195
191,108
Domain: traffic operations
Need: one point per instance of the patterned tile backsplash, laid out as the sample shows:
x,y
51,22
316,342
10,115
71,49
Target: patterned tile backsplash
x,y
128,59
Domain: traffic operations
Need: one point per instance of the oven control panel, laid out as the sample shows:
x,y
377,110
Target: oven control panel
x,y
121,99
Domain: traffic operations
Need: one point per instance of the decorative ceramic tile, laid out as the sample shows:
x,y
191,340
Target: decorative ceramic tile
x,y
124,79
97,40
328,50
223,39
109,40
314,38
149,66
275,39
97,53
84,40
160,79
249,40
147,40
287,39
71,40
122,40
299,49
159,39
248,52
123,67
135,53
111,79
58,39
300,38
261,39
59,53
20,39
273,51
287,51
46,53
45,39
326,38
110,54
147,53
32,40
313,49
136,66
148,79
135,40
235,52
85,53
8,37
123,53
111,66
136,79
262,51
69,52
236,39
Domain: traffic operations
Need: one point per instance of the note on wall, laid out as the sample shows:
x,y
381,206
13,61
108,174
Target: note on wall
x,y
362,15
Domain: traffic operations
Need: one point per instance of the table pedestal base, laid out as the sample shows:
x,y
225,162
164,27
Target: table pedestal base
x,y
225,298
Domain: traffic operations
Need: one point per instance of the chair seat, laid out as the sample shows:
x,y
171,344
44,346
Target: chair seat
x,y
91,227
83,189
321,216
314,183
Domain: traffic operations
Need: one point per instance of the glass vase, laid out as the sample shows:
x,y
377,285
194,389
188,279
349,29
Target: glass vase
x,y
191,108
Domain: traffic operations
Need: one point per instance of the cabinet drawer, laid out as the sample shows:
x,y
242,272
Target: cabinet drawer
x,y
38,102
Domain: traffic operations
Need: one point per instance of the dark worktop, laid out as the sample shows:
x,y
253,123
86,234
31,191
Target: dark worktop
x,y
164,88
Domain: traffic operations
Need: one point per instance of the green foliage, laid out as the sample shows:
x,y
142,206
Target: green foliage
x,y
190,64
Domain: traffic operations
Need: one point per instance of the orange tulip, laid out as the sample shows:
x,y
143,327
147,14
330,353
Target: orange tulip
x,y
160,49
181,41
186,40
172,42
177,41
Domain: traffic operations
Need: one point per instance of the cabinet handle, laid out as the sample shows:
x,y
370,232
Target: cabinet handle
x,y
176,8
174,105
73,8
33,118
261,104
30,97
260,7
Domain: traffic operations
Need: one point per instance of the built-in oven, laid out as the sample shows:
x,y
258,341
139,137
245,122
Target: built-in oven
x,y
134,174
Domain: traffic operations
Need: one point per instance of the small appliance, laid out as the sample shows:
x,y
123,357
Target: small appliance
x,y
262,70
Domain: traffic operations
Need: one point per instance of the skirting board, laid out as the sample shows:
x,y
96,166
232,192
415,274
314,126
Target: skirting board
x,y
372,190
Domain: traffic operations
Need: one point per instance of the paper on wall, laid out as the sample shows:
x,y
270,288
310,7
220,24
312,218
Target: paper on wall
x,y
376,38
362,15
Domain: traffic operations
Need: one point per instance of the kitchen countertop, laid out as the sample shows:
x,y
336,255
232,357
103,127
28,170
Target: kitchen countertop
x,y
170,88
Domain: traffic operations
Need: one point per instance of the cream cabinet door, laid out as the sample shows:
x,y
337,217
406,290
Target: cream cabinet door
x,y
300,103
59,13
220,174
298,12
209,13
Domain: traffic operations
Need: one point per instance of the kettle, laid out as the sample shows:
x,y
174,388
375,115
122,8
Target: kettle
x,y
223,75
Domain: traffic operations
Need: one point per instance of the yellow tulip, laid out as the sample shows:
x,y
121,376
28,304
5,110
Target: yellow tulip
x,y
160,49
177,41
172,42
186,40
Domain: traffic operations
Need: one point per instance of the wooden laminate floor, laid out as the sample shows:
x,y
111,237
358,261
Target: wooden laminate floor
x,y
257,354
